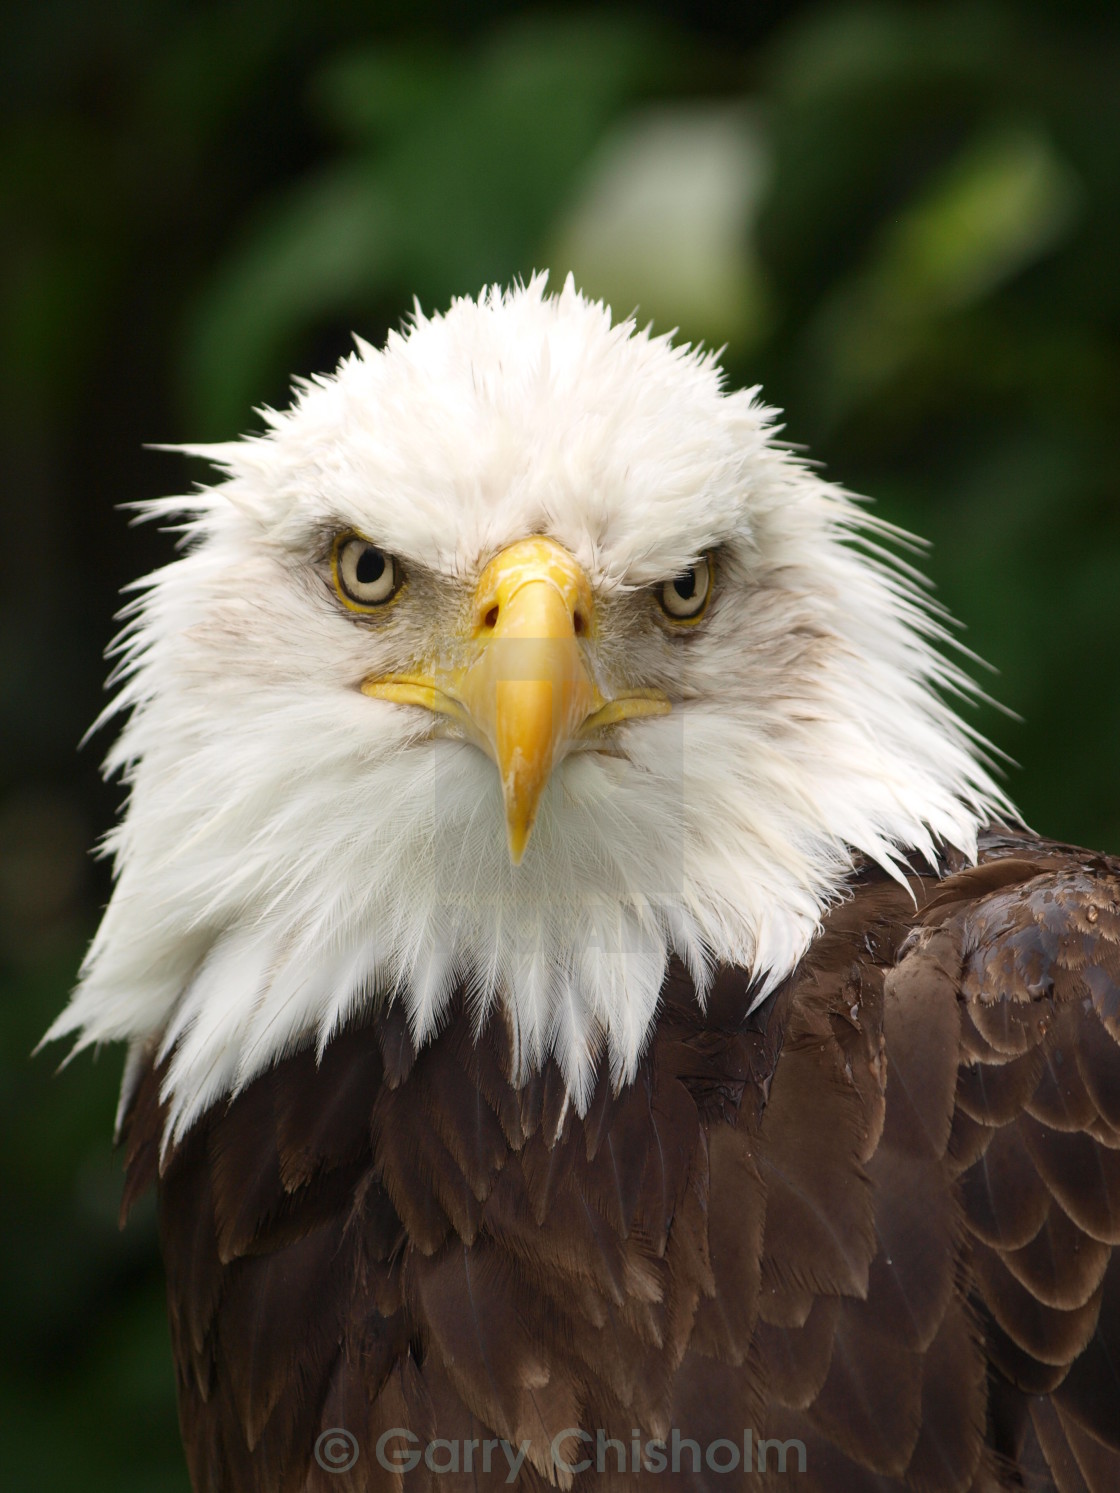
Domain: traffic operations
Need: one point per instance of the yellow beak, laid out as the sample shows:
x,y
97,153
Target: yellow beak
x,y
525,695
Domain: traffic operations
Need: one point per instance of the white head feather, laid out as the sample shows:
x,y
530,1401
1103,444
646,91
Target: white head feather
x,y
293,850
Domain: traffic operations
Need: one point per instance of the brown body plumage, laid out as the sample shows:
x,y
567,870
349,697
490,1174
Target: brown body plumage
x,y
877,1217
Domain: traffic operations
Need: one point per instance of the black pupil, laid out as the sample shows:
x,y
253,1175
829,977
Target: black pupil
x,y
685,585
370,567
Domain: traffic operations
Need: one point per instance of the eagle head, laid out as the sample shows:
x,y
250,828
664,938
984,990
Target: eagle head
x,y
514,658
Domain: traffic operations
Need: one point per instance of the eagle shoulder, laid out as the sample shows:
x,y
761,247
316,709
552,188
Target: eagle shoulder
x,y
1036,1147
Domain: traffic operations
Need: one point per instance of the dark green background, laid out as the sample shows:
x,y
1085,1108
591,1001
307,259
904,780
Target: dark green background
x,y
903,219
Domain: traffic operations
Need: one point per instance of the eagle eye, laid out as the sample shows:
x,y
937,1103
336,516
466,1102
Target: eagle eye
x,y
365,577
685,598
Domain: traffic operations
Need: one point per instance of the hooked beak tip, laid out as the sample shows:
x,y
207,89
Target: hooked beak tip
x,y
518,841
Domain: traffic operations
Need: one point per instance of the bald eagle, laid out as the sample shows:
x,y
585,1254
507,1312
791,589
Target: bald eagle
x,y
594,1020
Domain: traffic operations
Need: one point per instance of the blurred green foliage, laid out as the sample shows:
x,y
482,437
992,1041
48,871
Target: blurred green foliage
x,y
903,219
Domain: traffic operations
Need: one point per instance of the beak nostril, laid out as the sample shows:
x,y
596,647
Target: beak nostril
x,y
578,624
490,621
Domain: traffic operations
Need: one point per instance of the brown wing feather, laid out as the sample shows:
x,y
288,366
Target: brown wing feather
x,y
875,1220
1040,969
